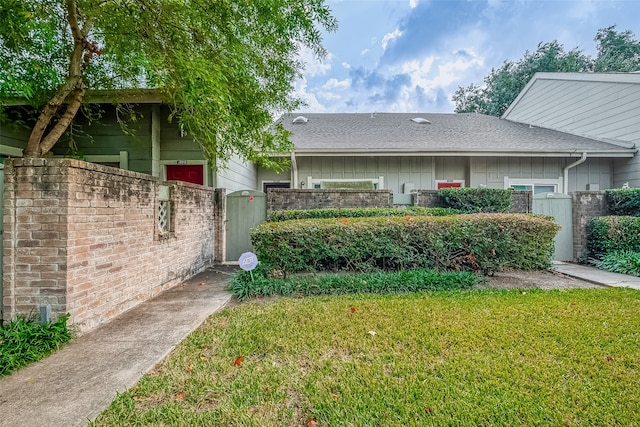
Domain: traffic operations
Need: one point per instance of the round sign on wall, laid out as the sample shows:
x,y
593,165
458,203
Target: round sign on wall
x,y
248,261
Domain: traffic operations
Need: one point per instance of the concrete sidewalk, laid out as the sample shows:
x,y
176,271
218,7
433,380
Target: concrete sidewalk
x,y
74,385
594,275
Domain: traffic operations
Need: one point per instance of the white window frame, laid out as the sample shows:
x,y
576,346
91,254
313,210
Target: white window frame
x,y
204,163
378,184
450,181
122,158
557,183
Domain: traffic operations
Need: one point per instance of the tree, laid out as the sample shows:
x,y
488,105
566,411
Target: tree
x,y
223,66
617,51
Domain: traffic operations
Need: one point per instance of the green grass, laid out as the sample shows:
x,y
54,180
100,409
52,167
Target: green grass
x,y
245,284
534,358
25,340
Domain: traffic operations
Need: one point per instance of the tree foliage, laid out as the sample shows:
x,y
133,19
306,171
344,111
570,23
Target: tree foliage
x,y
617,52
223,66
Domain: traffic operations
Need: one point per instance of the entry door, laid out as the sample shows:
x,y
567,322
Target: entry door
x,y
186,173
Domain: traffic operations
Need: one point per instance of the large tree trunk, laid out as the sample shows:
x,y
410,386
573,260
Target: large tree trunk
x,y
44,136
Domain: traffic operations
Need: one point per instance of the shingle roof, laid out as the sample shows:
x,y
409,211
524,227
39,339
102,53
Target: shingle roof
x,y
455,133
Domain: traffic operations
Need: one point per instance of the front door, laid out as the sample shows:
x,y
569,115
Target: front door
x,y
186,173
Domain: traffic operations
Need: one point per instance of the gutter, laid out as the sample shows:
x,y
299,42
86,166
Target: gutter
x,y
566,172
294,170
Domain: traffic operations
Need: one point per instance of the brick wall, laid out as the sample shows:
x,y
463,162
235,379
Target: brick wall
x,y
586,205
521,201
84,238
285,198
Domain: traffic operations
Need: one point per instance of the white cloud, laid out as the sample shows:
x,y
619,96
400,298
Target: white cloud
x,y
346,65
300,90
413,3
335,83
314,66
390,36
364,52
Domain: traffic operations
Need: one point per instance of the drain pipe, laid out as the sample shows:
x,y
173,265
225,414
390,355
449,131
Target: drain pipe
x,y
565,182
294,170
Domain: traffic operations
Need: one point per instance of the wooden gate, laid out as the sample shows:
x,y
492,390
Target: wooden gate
x,y
559,206
245,209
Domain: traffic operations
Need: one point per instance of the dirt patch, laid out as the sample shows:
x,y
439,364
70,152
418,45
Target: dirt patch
x,y
541,279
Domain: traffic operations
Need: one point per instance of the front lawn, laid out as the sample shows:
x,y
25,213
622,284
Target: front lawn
x,y
443,358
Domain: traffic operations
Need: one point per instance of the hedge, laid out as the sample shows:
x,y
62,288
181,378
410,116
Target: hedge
x,y
475,242
624,201
471,200
286,215
244,286
613,233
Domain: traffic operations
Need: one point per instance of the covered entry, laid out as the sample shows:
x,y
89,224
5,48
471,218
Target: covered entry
x,y
559,206
245,209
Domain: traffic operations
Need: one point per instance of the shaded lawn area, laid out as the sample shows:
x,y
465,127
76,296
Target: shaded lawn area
x,y
444,358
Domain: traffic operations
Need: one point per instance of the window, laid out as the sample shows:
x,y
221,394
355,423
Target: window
x,y
354,184
537,186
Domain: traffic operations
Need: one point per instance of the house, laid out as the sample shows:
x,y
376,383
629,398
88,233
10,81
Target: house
x,y
406,151
156,145
603,107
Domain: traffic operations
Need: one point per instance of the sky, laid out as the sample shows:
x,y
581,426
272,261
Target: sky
x,y
412,55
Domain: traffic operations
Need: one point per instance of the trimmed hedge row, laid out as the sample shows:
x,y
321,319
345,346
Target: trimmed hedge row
x,y
475,242
356,213
244,286
472,200
613,233
624,201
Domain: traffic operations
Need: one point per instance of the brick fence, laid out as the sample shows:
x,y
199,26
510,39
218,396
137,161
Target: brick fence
x,y
84,238
285,198
586,206
521,201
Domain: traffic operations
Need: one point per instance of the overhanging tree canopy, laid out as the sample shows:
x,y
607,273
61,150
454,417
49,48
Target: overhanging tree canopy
x,y
224,66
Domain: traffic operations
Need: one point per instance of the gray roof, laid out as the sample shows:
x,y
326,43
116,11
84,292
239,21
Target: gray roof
x,y
469,133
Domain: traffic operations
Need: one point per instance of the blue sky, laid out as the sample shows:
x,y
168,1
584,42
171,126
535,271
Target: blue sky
x,y
411,55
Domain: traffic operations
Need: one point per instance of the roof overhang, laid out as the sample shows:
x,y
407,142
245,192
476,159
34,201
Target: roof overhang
x,y
453,153
119,96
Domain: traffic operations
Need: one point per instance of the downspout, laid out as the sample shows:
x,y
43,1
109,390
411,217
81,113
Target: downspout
x,y
565,183
294,170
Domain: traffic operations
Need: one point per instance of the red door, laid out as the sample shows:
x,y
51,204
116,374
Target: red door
x,y
449,185
187,173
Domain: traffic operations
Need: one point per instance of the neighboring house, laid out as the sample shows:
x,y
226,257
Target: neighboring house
x,y
604,107
405,151
157,145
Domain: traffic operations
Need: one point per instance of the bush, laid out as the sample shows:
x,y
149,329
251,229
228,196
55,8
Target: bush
x,y
612,233
25,340
624,262
357,213
478,242
243,286
624,201
472,200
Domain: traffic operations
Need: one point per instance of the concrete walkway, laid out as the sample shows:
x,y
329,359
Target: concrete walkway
x,y
74,385
599,277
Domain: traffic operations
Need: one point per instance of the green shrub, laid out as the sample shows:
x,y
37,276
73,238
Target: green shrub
x,y
624,201
357,213
25,340
243,286
472,200
624,262
612,233
477,242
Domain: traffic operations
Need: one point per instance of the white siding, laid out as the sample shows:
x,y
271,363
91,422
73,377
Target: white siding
x,y
238,175
603,110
